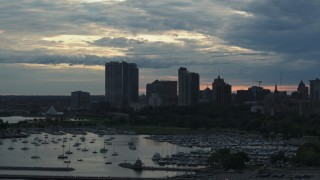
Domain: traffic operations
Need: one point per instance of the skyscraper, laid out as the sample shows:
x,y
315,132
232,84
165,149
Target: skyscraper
x,y
166,90
80,100
121,83
221,92
315,91
188,87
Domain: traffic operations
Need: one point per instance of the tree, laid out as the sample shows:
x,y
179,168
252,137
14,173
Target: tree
x,y
229,160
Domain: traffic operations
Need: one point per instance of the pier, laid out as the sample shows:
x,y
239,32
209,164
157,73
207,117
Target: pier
x,y
153,168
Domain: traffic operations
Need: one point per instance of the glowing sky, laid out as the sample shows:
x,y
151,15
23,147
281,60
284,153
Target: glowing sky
x,y
55,47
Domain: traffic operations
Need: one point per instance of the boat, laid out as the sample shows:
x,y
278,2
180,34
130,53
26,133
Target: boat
x,y
25,148
1,142
84,149
67,161
79,160
62,156
114,152
103,150
25,141
156,157
11,148
36,156
108,162
69,151
132,147
76,144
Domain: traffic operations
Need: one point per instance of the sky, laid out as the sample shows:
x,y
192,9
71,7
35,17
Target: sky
x,y
56,47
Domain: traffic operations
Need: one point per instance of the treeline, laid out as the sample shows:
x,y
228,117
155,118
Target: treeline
x,y
231,117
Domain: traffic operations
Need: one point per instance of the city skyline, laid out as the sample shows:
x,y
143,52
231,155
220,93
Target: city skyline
x,y
56,47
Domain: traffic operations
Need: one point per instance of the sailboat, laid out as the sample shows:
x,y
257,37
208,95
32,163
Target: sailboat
x,y
62,156
103,150
69,151
25,148
95,152
36,156
11,147
114,152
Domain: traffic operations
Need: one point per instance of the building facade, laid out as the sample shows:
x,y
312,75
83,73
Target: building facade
x,y
188,88
121,83
80,101
315,91
221,92
165,90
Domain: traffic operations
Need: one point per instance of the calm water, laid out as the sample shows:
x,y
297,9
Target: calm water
x,y
92,164
16,119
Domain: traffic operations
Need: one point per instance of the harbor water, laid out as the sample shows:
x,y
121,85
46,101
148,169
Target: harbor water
x,y
92,164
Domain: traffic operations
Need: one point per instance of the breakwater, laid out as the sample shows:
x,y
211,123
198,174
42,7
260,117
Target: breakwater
x,y
36,168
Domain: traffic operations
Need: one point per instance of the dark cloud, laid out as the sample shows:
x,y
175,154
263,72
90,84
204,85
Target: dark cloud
x,y
289,27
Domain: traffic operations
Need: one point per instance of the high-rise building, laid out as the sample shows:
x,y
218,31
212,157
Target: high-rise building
x,y
121,83
221,92
165,90
188,87
303,90
315,91
194,86
80,100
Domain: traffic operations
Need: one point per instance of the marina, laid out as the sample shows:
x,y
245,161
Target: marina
x,y
84,163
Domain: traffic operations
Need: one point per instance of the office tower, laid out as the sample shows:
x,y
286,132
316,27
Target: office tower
x,y
121,83
221,92
315,91
162,93
303,90
188,87
80,100
194,88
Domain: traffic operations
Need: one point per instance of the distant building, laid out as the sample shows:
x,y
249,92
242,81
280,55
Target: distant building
x,y
80,100
303,90
315,91
188,88
164,90
206,95
121,83
221,92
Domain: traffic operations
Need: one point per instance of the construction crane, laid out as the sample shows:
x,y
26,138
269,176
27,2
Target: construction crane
x,y
260,82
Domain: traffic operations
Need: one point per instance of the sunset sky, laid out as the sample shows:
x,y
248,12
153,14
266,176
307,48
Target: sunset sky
x,y
53,47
